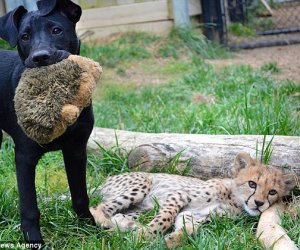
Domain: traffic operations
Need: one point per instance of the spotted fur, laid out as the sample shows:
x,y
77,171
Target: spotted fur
x,y
188,201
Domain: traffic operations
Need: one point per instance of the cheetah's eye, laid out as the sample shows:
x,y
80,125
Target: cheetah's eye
x,y
272,192
252,184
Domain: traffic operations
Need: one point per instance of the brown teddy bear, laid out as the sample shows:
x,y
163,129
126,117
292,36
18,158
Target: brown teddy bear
x,y
50,98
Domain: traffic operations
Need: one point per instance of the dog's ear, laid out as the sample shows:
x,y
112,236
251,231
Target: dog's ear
x,y
71,10
46,6
9,25
67,7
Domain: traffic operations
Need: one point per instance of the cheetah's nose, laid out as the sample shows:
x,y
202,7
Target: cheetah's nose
x,y
258,203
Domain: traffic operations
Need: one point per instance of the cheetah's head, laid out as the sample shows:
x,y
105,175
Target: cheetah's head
x,y
258,186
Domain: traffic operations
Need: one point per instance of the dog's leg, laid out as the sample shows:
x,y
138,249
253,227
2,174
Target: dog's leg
x,y
26,159
75,159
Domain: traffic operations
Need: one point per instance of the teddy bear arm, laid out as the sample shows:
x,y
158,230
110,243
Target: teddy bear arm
x,y
69,114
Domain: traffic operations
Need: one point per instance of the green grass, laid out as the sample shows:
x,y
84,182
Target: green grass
x,y
290,222
271,67
247,101
189,41
141,46
124,49
241,30
258,18
4,45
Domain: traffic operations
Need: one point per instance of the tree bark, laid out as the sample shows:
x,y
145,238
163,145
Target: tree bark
x,y
206,155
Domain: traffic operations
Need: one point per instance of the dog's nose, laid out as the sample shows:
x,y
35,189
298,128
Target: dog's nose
x,y
40,56
258,203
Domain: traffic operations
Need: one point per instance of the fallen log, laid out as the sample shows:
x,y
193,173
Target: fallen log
x,y
207,155
269,231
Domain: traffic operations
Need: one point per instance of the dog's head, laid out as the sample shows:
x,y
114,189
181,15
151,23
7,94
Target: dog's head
x,y
45,36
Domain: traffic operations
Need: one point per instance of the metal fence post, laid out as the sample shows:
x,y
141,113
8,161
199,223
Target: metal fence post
x,y
181,13
222,22
237,10
2,8
28,4
214,20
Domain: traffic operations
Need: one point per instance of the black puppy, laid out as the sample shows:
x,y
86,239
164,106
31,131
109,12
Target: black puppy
x,y
42,37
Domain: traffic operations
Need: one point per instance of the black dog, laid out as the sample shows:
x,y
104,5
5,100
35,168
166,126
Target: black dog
x,y
42,37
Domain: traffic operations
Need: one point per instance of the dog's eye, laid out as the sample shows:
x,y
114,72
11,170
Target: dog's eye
x,y
252,184
25,37
272,192
56,31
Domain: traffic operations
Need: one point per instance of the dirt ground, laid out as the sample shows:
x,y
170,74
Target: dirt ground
x,y
146,73
286,57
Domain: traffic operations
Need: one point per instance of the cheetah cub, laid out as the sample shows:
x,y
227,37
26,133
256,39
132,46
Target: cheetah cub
x,y
188,201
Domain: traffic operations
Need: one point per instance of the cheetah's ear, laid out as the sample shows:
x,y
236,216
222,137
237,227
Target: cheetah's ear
x,y
241,161
290,181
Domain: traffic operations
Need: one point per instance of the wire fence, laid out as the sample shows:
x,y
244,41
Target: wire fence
x,y
253,23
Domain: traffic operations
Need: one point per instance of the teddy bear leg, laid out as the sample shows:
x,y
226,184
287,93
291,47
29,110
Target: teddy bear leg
x,y
69,113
